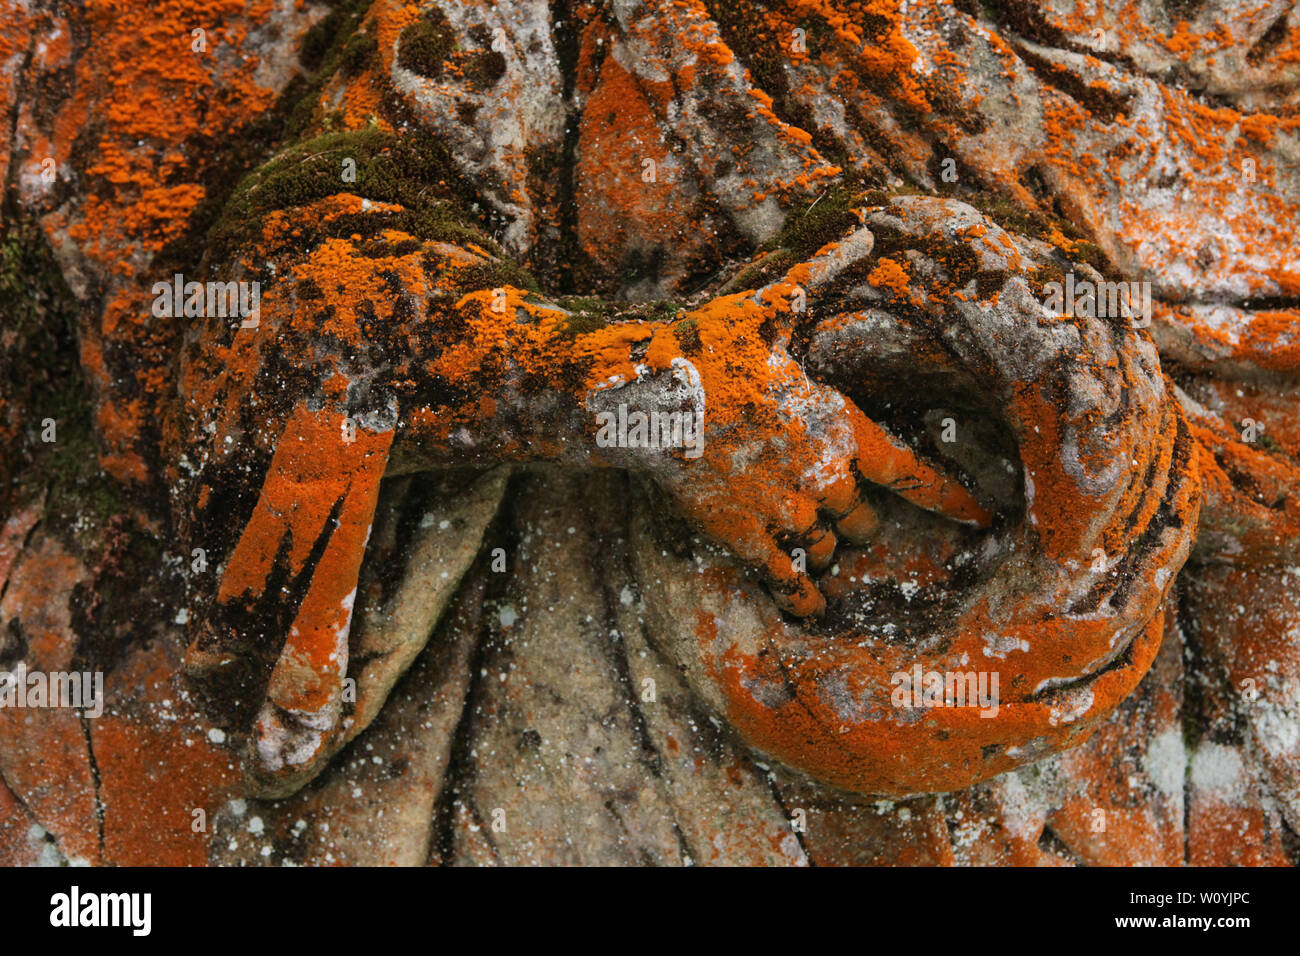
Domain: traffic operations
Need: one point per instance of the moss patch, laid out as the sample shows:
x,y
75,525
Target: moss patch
x,y
486,68
590,314
497,275
330,33
688,336
360,54
414,171
828,218
424,45
42,379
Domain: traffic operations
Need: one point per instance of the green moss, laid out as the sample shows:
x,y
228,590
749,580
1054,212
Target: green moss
x,y
826,219
413,171
330,35
663,311
1049,271
296,109
497,275
486,68
424,45
1014,217
584,323
21,309
43,380
324,49
688,336
586,315
315,44
588,304
1091,253
641,265
1267,442
832,216
359,54
769,267
80,495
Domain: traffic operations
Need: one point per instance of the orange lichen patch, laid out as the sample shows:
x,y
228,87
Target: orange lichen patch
x,y
728,330
608,351
1288,280
363,103
1196,126
37,598
1091,24
801,139
301,491
1034,646
1106,834
891,275
717,53
1272,341
119,424
149,742
139,760
349,302
710,71
1261,127
880,561
1222,146
43,751
14,533
1141,500
284,229
1058,239
309,674
142,62
350,282
886,55
1274,415
158,217
743,386
502,327
949,748
386,20
15,35
1056,506
632,190
17,848
1251,504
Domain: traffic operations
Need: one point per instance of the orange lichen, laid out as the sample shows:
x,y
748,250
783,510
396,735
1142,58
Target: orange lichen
x,y
435,327
891,275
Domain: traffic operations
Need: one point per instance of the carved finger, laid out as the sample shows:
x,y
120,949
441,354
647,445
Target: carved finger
x,y
314,511
886,461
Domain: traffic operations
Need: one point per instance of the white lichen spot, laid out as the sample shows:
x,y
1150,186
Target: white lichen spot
x,y
1166,762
